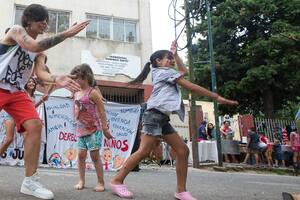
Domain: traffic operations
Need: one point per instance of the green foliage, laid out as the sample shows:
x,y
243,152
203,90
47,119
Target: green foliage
x,y
257,51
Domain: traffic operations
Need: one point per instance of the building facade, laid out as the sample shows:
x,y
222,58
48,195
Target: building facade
x,y
116,43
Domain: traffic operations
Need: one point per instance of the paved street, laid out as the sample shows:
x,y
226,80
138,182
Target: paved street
x,y
155,183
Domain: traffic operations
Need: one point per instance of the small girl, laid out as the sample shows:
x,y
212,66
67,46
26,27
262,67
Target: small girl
x,y
266,148
164,100
277,152
295,143
89,110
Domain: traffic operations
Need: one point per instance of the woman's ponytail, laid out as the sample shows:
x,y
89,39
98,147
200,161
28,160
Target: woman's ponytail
x,y
143,75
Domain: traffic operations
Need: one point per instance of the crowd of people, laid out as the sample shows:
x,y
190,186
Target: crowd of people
x,y
278,153
282,150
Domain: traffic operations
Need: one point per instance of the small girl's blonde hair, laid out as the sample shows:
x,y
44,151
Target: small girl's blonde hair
x,y
84,72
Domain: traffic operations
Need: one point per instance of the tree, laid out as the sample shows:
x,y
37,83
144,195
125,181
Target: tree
x,y
256,45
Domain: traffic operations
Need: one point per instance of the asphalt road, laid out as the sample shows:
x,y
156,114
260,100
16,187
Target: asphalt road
x,y
154,182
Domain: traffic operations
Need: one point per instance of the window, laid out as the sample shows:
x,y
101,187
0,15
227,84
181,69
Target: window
x,y
130,33
104,27
111,28
118,29
18,16
122,95
91,30
58,21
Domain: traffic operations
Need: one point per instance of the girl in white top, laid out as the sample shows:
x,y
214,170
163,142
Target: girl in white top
x,y
164,100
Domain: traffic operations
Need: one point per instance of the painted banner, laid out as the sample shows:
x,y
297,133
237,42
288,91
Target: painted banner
x,y
123,123
61,136
14,155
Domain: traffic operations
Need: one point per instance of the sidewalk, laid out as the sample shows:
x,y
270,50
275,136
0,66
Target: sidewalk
x,y
238,167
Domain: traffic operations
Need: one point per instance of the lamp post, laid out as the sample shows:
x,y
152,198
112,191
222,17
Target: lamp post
x,y
214,83
192,96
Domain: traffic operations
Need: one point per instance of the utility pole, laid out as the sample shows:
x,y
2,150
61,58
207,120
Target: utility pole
x,y
192,79
214,83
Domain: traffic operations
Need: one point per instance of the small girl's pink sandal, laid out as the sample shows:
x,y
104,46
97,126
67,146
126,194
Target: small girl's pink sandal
x,y
184,196
121,191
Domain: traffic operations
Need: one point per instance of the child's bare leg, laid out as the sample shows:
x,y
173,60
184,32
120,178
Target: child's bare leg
x,y
283,162
256,159
10,125
246,158
145,148
81,169
182,153
99,170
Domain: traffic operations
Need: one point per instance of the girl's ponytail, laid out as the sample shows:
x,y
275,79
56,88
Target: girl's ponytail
x,y
160,54
143,75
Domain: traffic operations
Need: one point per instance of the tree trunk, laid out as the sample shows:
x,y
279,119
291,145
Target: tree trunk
x,y
268,103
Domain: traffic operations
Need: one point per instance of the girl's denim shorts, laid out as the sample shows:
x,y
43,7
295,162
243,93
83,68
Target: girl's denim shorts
x,y
156,123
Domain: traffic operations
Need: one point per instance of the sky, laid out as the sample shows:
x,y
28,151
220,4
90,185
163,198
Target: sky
x,y
163,32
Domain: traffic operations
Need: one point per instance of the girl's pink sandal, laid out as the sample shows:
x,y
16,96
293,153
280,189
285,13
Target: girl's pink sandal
x,y
121,191
184,196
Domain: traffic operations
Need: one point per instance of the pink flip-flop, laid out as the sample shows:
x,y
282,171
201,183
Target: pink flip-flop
x,y
184,196
121,191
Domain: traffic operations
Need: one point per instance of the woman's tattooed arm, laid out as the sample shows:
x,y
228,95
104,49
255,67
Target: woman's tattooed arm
x,y
51,41
19,35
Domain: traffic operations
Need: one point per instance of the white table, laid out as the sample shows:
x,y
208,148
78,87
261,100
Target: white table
x,y
207,150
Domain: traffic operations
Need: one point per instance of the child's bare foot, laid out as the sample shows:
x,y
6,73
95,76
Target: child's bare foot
x,y
99,188
79,185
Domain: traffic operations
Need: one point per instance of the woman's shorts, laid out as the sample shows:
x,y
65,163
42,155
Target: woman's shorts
x,y
19,106
251,150
90,142
156,123
278,156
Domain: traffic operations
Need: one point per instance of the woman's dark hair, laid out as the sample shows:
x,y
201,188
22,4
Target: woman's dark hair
x,y
210,130
84,71
34,13
160,54
226,121
31,93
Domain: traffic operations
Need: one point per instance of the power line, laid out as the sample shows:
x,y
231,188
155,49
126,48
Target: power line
x,y
179,17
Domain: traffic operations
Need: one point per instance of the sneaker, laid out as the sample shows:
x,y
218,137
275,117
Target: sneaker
x,y
31,186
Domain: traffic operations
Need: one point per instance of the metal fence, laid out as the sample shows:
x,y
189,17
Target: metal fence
x,y
271,127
